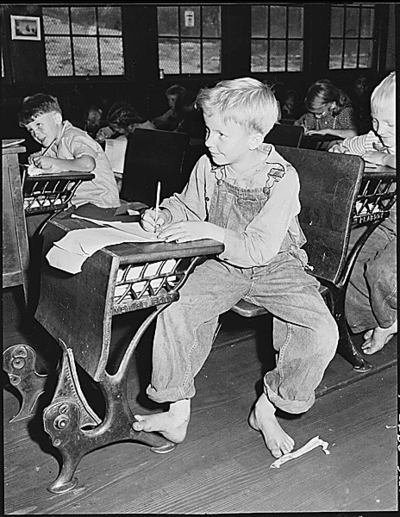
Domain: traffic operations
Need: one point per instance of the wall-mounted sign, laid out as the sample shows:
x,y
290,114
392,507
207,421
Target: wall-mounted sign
x,y
189,18
25,28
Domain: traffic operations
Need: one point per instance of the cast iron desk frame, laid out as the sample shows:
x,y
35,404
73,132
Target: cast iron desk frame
x,y
77,310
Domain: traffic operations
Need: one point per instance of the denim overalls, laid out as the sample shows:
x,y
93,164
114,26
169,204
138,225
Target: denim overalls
x,y
305,334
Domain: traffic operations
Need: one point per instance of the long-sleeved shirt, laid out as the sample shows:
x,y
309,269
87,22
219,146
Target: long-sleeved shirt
x,y
363,144
264,235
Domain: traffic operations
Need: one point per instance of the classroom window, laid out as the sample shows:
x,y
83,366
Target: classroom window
x,y
277,38
83,41
351,36
189,39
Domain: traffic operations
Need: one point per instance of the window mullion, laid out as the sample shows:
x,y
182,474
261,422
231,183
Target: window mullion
x,y
98,39
72,41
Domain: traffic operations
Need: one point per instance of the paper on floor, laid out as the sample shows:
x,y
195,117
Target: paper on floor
x,y
309,446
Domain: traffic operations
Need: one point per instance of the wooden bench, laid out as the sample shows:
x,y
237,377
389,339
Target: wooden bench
x,y
336,195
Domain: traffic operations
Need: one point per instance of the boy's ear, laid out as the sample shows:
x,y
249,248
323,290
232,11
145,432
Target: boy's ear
x,y
57,117
255,140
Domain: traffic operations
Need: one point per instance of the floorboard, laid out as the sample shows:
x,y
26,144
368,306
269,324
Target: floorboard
x,y
223,465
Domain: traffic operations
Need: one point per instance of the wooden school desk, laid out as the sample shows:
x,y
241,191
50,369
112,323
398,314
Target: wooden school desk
x,y
78,309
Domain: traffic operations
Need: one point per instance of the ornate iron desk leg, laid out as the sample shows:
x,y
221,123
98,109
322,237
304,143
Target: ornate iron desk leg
x,y
19,363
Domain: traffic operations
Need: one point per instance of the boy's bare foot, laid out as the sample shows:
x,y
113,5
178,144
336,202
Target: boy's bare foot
x,y
263,419
375,339
171,424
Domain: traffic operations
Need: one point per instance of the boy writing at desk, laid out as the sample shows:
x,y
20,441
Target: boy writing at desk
x,y
371,298
247,198
68,148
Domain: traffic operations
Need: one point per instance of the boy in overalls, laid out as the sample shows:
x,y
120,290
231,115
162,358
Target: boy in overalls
x,y
246,197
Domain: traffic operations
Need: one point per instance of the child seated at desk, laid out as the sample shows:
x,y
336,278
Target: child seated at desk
x,y
329,111
248,198
371,298
68,148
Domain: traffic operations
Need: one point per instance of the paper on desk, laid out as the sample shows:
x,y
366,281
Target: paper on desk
x,y
133,228
309,446
70,252
115,151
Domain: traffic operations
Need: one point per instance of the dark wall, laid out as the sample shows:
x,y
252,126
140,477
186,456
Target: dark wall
x,y
25,67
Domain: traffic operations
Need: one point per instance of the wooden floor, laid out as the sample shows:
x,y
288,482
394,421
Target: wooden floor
x,y
223,465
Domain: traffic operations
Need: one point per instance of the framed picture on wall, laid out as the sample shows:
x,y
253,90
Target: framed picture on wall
x,y
25,28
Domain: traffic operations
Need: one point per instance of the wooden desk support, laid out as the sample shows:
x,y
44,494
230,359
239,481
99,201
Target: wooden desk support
x,y
77,310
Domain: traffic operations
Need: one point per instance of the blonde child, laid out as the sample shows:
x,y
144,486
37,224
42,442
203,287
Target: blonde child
x,y
371,299
247,197
68,148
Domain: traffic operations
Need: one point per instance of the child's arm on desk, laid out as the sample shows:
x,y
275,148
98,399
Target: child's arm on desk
x,y
182,231
84,163
380,158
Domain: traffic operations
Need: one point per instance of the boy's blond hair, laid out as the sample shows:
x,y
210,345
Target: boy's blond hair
x,y
245,101
384,92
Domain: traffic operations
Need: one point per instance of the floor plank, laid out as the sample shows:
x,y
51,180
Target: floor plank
x,y
223,465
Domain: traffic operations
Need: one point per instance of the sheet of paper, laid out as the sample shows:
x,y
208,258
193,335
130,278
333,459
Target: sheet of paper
x,y
309,446
115,151
131,228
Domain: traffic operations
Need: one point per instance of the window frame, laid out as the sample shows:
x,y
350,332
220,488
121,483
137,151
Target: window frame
x,y
374,37
286,38
84,78
180,38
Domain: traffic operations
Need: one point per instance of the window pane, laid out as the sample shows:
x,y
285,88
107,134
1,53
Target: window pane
x,y
86,56
191,56
83,20
350,53
296,22
55,20
295,56
58,56
259,55
211,21
337,22
277,56
167,21
109,19
259,21
278,22
168,55
367,23
352,22
190,21
335,55
365,58
211,56
111,56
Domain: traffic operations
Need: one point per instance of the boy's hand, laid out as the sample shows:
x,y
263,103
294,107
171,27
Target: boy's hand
x,y
46,163
380,158
148,222
191,231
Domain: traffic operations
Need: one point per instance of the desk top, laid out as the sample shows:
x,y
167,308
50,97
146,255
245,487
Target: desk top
x,y
141,252
379,171
64,175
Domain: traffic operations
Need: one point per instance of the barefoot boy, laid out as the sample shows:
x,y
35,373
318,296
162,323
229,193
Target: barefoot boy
x,y
247,197
371,298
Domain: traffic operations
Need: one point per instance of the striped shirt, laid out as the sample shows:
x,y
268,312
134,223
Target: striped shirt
x,y
363,144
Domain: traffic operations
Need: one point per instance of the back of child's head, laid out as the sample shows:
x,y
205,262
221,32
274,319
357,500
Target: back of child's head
x,y
325,92
245,101
36,105
123,115
384,93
